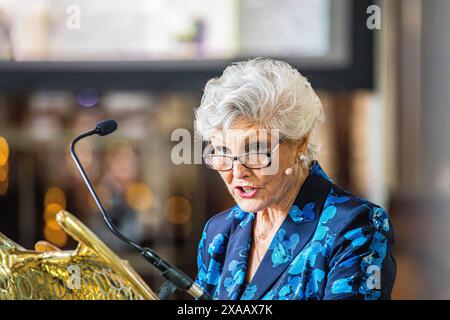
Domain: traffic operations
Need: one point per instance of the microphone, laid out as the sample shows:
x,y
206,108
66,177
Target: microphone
x,y
106,127
176,279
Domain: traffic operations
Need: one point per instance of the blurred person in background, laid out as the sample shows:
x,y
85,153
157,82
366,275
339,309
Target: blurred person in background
x,y
293,233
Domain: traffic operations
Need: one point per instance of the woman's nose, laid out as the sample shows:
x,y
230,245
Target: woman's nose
x,y
239,171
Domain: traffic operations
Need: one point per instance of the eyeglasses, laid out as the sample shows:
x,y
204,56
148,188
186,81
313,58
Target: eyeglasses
x,y
251,160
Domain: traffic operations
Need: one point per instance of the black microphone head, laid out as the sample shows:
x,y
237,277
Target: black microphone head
x,y
105,127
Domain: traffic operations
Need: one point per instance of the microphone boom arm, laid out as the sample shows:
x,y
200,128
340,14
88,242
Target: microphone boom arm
x,y
174,276
94,194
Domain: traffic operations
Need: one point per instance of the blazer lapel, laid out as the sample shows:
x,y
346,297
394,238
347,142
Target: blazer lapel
x,y
236,259
293,234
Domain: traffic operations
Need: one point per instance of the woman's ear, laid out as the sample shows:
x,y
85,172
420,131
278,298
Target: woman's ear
x,y
302,145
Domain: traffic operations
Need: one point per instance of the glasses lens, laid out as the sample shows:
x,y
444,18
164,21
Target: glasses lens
x,y
256,160
219,162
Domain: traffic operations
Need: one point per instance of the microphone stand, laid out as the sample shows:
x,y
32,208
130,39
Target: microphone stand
x,y
175,278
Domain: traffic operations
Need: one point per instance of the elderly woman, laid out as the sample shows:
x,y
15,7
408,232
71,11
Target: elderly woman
x,y
293,233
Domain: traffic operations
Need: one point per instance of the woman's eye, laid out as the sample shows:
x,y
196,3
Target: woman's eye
x,y
258,148
221,150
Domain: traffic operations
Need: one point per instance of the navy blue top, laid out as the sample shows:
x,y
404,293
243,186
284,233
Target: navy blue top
x,y
332,245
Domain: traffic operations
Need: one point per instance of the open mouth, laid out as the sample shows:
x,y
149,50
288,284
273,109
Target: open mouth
x,y
246,192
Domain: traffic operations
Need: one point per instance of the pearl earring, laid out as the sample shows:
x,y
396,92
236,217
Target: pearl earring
x,y
288,171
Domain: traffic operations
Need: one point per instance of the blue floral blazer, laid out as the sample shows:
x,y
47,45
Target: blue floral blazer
x,y
332,245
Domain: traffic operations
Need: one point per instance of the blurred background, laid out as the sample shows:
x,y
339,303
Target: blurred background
x,y
381,69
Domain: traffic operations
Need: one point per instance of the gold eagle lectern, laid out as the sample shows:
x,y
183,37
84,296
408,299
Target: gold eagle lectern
x,y
90,272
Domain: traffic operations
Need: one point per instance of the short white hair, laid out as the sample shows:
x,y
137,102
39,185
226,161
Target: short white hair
x,y
262,90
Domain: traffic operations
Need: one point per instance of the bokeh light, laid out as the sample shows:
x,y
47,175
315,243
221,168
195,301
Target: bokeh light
x,y
139,196
88,98
55,195
52,224
4,172
177,210
4,151
4,167
54,201
56,236
51,210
